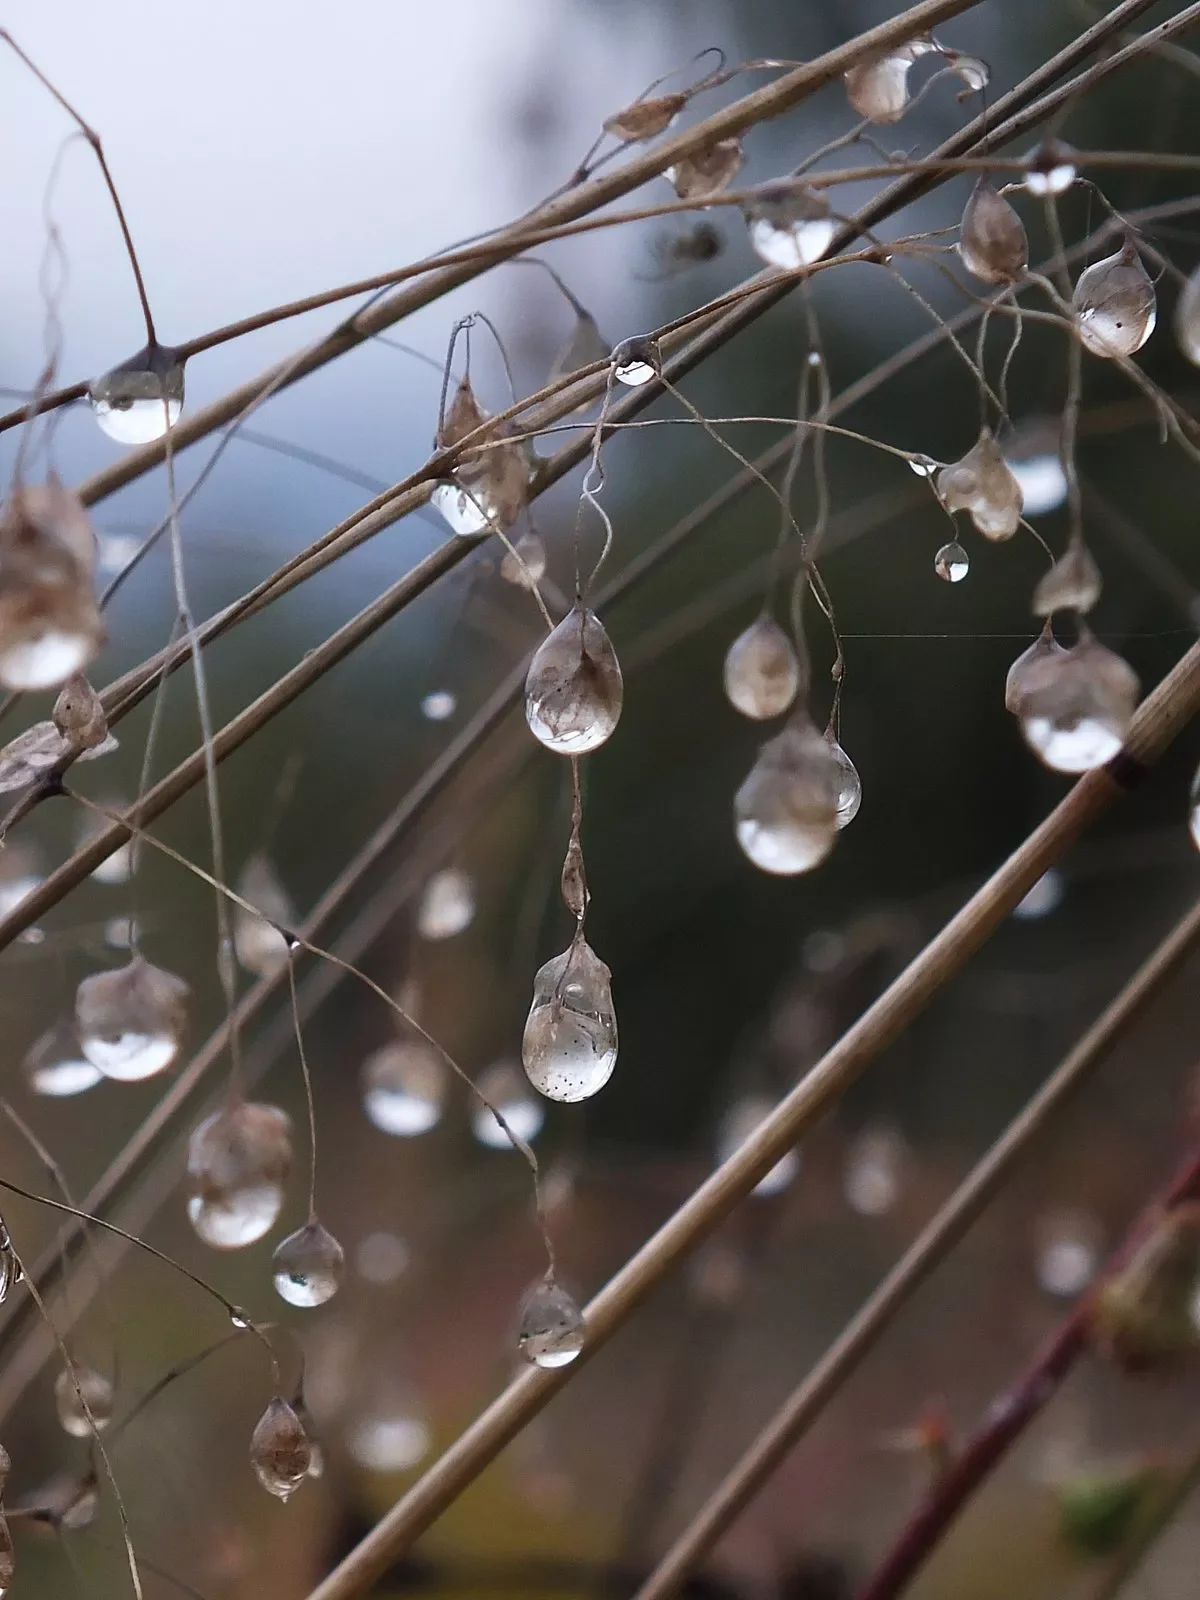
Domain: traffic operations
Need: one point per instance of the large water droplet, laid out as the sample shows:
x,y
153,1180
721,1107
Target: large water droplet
x,y
238,1161
569,1047
1044,897
50,625
138,401
1114,304
1051,169
508,1090
463,512
636,361
308,1266
992,242
786,812
762,672
404,1087
952,563
131,1022
551,1331
439,705
982,484
57,1067
789,224
1075,707
96,1390
280,1449
849,784
573,689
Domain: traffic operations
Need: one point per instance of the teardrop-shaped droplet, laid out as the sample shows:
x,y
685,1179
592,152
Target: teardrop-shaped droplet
x,y
569,1047
1051,168
97,1392
992,242
952,563
50,624
56,1066
308,1266
1187,318
260,945
1033,451
404,1087
849,783
636,361
738,1123
530,569
982,484
707,170
789,224
238,1161
551,1331
1073,583
131,1022
573,689
762,671
138,401
1027,666
280,1449
878,87
447,905
506,1088
1075,707
1114,304
786,811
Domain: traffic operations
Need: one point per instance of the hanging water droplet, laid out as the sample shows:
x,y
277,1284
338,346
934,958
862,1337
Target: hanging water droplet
x,y
57,1067
1073,583
1044,897
874,1164
1068,1252
50,624
762,670
636,361
789,224
708,170
573,689
1027,665
551,1331
1114,304
569,1046
1187,318
238,1161
982,484
261,947
139,400
131,1022
786,811
878,87
1033,451
1075,707
1051,168
924,466
439,705
508,1090
462,512
849,783
280,1449
308,1266
122,933
952,563
381,1258
404,1087
992,242
738,1123
447,905
97,1393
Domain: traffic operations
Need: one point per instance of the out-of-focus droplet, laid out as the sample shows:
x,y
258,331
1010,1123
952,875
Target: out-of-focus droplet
x,y
1114,304
708,170
952,563
1073,583
97,1399
404,1087
238,1162
636,361
390,1434
260,945
308,1266
762,671
1033,451
982,484
717,1275
551,1331
992,242
138,401
531,568
1068,1252
1045,897
131,1022
116,868
1187,318
1075,707
439,705
569,1046
1194,810
878,87
1028,665
280,1449
122,933
573,689
1051,168
874,1171
738,1123
382,1258
508,1090
447,905
788,809
50,623
789,224
57,1067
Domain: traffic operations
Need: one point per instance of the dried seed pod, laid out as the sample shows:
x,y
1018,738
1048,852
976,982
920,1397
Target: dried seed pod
x,y
1051,168
280,1449
878,87
404,1087
992,242
569,1047
974,72
952,563
79,716
97,1398
447,905
645,119
762,670
708,170
504,1087
1072,584
738,1123
258,943
531,568
464,416
492,485
50,625
636,360
32,753
238,1162
1033,451
1187,319
1114,304
56,1066
131,1022
982,484
142,398
308,1266
789,224
551,1331
1075,706
786,812
573,689
1144,1316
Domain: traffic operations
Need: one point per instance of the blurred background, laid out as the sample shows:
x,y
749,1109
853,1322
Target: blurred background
x,y
263,153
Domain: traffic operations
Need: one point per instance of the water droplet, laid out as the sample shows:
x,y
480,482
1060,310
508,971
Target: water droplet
x,y
1033,451
877,89
849,784
308,1266
1051,168
381,1258
131,1022
1187,319
391,1437
636,361
952,563
570,1042
992,243
1075,707
404,1087
551,1331
1073,583
280,1449
738,1123
462,512
573,689
789,224
1068,1252
508,1090
874,1164
50,625
238,1161
138,401
261,948
439,705
97,1391
1027,665
531,568
1114,304
707,170
56,1066
923,466
447,905
787,810
762,671
982,484
1044,897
